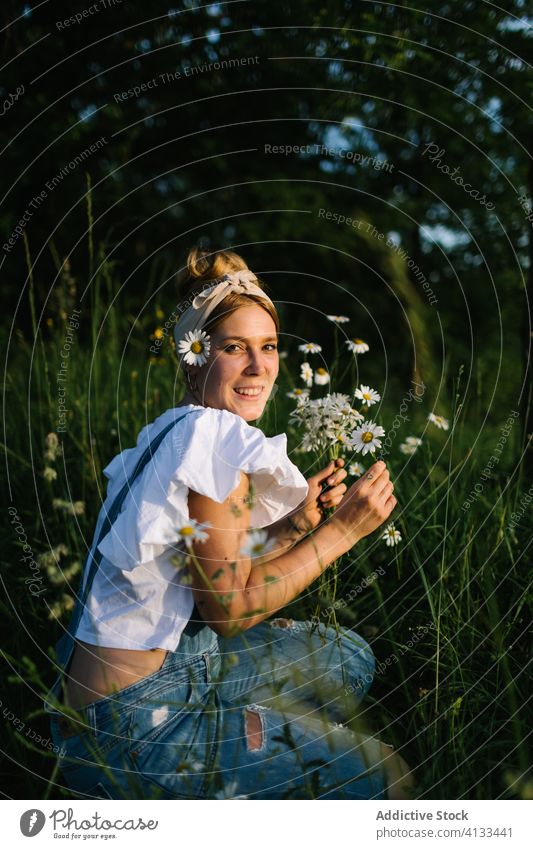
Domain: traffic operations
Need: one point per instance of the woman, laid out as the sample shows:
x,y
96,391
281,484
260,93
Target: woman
x,y
177,683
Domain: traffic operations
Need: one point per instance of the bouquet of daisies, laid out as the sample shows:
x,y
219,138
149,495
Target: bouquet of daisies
x,y
336,423
331,423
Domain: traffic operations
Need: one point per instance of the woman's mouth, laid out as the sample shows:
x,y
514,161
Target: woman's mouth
x,y
249,392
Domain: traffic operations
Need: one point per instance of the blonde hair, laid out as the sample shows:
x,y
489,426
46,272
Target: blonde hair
x,y
203,266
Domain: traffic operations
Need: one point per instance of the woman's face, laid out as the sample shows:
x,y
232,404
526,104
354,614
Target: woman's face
x,y
243,355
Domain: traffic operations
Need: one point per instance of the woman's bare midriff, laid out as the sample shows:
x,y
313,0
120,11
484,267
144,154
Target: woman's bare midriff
x,y
95,672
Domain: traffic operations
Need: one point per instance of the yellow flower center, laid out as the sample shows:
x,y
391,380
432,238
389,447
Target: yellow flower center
x,y
367,436
197,347
366,396
158,333
257,548
321,370
358,341
186,531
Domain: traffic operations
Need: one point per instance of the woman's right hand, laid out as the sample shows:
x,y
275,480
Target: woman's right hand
x,y
366,504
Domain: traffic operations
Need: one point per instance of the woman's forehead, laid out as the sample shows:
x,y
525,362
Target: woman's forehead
x,y
252,321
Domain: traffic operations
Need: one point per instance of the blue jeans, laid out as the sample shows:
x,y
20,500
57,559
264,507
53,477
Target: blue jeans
x,y
259,716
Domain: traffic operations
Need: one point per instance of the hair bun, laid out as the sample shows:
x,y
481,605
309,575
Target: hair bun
x,y
203,265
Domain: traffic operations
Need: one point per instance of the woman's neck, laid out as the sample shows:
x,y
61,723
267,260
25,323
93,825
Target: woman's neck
x,y
190,399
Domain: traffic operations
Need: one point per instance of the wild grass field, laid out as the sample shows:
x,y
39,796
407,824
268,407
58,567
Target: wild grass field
x,y
445,609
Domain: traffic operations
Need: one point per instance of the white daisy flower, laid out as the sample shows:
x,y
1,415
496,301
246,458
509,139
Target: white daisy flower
x,y
333,432
410,445
306,374
391,535
365,437
440,421
73,508
343,439
368,395
298,394
257,543
321,376
189,766
338,399
356,469
229,792
193,531
338,319
310,348
357,346
195,346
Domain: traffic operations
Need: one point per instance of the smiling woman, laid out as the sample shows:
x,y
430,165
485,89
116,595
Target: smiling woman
x,y
175,701
238,363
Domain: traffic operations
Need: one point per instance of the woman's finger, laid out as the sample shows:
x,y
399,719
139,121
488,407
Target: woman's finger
x,y
335,492
377,471
323,473
336,477
386,491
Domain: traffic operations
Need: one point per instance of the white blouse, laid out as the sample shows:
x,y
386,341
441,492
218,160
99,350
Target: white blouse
x,y
138,599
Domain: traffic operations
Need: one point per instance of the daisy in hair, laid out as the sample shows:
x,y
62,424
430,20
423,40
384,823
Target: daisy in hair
x,y
195,346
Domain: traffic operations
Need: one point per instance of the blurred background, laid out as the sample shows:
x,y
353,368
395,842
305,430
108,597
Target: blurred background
x,y
366,159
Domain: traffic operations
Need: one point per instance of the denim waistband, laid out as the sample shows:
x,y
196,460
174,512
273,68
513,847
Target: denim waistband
x,y
194,657
173,672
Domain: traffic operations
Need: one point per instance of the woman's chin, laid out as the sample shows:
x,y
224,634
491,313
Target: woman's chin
x,y
249,408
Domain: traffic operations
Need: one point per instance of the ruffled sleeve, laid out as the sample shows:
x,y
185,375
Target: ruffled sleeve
x,y
205,452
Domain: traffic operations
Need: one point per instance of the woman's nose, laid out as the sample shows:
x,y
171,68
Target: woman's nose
x,y
256,362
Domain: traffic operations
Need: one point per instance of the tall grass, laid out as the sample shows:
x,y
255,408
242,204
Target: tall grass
x,y
446,616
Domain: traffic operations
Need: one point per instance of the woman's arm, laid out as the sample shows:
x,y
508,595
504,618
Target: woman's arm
x,y
232,591
284,534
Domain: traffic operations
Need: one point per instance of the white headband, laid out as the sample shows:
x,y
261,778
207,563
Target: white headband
x,y
196,315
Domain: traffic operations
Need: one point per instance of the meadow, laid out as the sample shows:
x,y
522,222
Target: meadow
x,y
445,608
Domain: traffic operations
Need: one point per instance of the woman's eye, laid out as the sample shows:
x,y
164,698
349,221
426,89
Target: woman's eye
x,y
268,345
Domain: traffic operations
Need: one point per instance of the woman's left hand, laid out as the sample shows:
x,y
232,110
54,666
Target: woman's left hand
x,y
311,513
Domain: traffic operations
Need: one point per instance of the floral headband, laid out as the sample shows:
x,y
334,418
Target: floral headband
x,y
191,341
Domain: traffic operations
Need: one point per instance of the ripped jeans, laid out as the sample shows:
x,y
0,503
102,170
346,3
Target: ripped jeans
x,y
257,716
